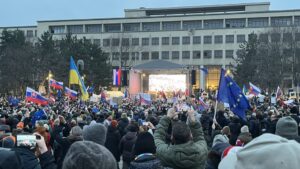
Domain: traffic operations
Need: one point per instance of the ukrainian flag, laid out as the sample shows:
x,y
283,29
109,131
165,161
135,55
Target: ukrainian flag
x,y
75,78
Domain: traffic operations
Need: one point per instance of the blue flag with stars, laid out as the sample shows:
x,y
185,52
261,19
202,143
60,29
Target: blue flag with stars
x,y
231,93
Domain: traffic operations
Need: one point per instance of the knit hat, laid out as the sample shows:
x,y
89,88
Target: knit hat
x,y
20,125
245,129
87,154
76,131
95,132
114,123
287,127
220,138
144,144
8,142
265,151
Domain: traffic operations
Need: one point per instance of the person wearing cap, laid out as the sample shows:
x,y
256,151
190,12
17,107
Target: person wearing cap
x,y
189,149
287,127
113,138
267,151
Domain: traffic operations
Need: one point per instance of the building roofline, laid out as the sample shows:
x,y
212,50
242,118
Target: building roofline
x,y
169,16
194,7
14,27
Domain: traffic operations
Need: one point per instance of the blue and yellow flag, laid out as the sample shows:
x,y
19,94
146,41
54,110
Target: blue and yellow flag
x,y
75,78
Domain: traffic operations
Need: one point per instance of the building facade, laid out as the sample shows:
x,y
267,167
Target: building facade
x,y
197,36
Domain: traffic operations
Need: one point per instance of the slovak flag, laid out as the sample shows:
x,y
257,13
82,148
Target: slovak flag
x,y
254,89
72,94
202,105
117,77
145,101
35,97
56,85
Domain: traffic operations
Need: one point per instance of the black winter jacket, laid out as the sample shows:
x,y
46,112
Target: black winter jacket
x,y
113,138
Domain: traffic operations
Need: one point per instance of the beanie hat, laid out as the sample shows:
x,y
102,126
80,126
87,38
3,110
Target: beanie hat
x,y
144,144
265,151
95,132
20,125
287,127
8,142
76,131
124,115
87,154
220,138
114,123
245,129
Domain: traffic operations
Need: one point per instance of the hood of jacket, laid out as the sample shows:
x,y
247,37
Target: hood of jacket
x,y
130,135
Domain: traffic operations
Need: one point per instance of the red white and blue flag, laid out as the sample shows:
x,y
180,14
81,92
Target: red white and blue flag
x,y
72,94
56,85
202,105
35,97
278,93
145,99
254,89
117,77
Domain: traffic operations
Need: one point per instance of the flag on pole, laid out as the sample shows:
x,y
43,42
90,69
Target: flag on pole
x,y
245,90
278,93
72,94
35,97
202,105
229,92
117,77
254,89
75,78
56,85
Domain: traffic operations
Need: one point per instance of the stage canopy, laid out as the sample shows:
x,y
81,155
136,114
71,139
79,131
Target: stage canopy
x,y
158,65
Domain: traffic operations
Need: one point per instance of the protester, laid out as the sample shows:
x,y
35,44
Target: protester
x,y
95,132
189,148
113,138
287,127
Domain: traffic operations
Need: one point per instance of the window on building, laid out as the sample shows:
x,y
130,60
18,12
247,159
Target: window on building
x,y
112,27
240,38
189,25
235,23
125,42
281,21
57,29
131,27
218,39
186,40
229,54
155,55
106,42
207,54
275,37
207,39
165,40
125,56
115,42
145,55
175,40
213,24
263,38
197,54
229,38
135,41
151,26
35,33
97,42
287,37
97,28
75,29
135,56
196,40
29,33
297,20
145,41
186,55
258,22
155,41
175,55
165,55
115,56
218,54
297,37
171,26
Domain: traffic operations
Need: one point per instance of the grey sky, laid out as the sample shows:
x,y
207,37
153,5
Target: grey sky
x,y
27,12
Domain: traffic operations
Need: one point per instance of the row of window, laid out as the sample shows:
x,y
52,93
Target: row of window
x,y
174,55
177,25
277,37
185,40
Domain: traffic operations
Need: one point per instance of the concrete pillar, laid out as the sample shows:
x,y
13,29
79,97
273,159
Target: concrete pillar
x,y
202,78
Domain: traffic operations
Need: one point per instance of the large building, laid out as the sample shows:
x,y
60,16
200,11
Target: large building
x,y
195,36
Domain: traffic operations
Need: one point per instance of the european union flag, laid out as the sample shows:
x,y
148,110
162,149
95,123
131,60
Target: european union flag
x,y
229,92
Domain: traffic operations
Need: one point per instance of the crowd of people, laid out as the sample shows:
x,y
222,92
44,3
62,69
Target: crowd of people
x,y
84,135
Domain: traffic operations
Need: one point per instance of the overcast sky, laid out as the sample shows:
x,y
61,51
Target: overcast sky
x,y
27,12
